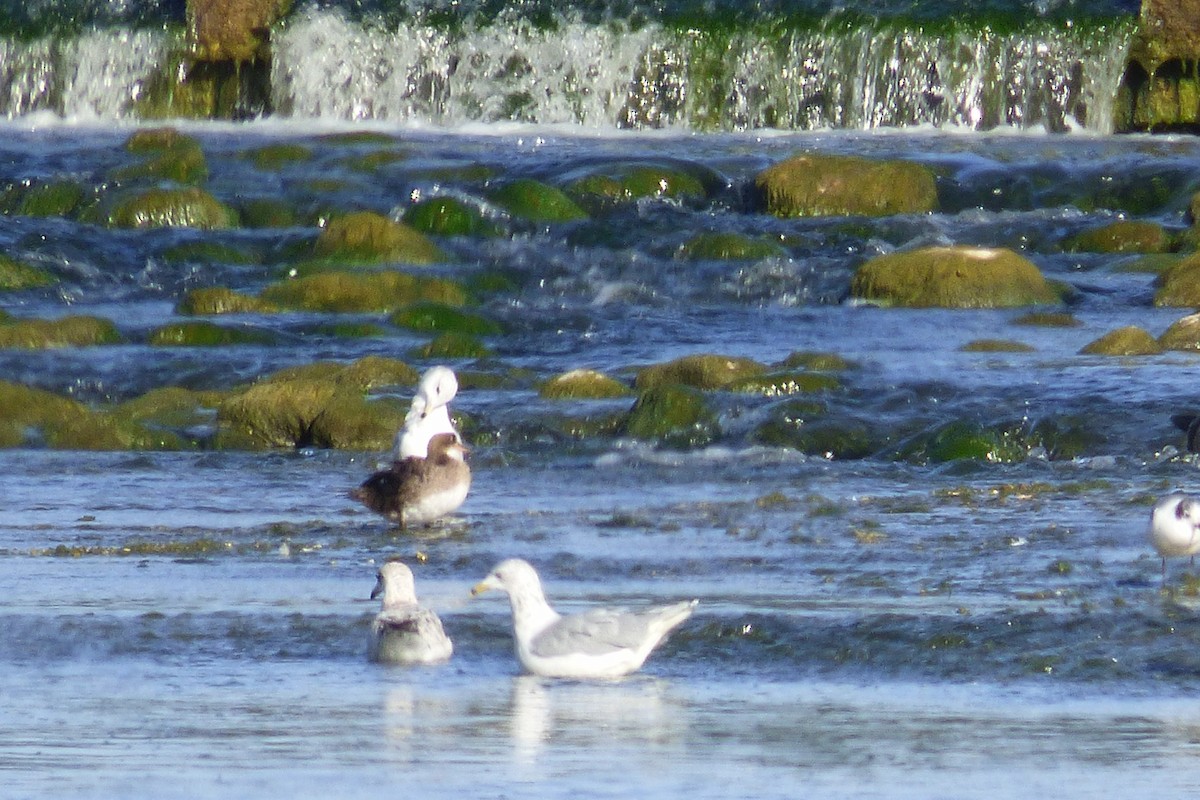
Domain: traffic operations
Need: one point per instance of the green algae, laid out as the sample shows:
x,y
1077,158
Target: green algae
x,y
1128,341
678,415
383,291
207,334
1123,236
953,277
273,157
536,201
17,275
215,300
449,216
453,345
996,346
40,334
171,208
581,384
729,247
367,237
444,318
831,185
780,384
52,199
702,371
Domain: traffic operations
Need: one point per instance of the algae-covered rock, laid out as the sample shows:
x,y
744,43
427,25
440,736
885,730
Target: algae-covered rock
x,y
1123,236
953,277
382,291
172,208
536,201
703,371
305,412
970,440
168,155
170,407
779,384
1179,284
266,212
1048,319
238,32
579,384
16,275
1183,334
816,361
222,300
371,372
51,199
802,427
206,334
272,157
729,247
1128,341
367,237
39,334
831,185
34,417
444,318
453,345
678,415
207,252
621,183
449,216
996,346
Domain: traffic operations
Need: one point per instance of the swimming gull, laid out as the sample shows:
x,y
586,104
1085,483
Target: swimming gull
x,y
417,491
600,643
403,631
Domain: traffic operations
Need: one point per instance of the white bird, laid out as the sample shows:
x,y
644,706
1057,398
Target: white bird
x,y
403,631
600,643
1175,528
428,414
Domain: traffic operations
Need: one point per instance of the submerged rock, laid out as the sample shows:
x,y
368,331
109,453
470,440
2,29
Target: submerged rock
x,y
1123,236
678,415
1128,341
384,291
367,237
449,216
1179,284
207,334
953,277
168,155
16,275
221,300
444,318
996,346
536,201
172,208
1183,334
452,345
622,183
778,384
272,157
729,247
34,417
831,185
816,361
702,371
580,384
808,433
51,199
39,334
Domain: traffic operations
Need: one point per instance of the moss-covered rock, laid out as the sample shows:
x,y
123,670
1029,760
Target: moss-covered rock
x,y
621,183
675,414
168,155
172,208
453,345
808,432
213,300
1048,319
1123,236
816,361
831,185
308,413
580,384
1179,284
207,252
40,334
33,417
206,334
444,318
367,237
1183,334
382,291
273,157
1127,341
51,199
16,275
953,277
536,201
267,212
169,407
702,371
996,346
968,440
365,374
780,384
729,247
449,216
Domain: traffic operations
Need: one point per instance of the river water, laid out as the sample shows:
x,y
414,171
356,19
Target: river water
x,y
193,623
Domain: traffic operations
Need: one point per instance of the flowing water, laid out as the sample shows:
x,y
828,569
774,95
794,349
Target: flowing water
x,y
884,624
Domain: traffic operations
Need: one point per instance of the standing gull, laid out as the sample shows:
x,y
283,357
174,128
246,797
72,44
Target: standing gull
x,y
1175,528
417,491
600,643
403,631
428,415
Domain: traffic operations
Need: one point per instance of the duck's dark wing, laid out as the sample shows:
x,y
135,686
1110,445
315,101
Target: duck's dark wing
x,y
388,491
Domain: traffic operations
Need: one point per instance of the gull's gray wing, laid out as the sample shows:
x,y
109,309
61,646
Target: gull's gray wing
x,y
594,632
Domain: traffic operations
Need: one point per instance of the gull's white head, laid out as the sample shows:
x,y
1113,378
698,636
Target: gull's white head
x,y
395,582
514,576
437,388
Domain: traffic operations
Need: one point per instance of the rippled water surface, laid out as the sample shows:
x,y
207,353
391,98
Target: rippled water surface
x,y
192,624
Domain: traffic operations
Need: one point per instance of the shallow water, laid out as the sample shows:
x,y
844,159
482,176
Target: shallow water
x,y
193,624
